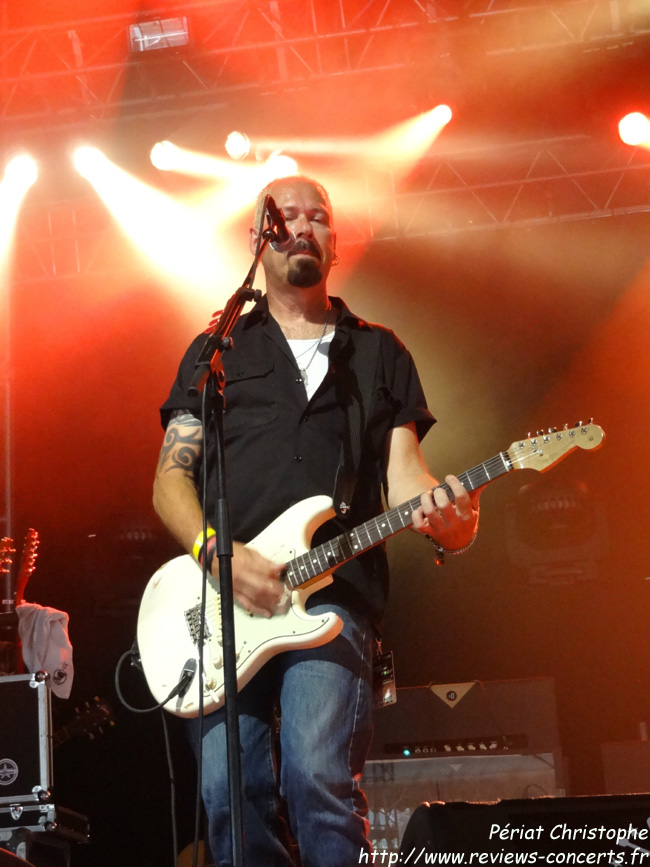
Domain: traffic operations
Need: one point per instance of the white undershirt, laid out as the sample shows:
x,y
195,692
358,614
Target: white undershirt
x,y
312,360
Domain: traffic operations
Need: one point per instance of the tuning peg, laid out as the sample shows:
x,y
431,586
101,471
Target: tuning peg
x,y
578,424
540,433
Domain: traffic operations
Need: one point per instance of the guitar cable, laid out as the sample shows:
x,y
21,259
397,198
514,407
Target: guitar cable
x,y
184,683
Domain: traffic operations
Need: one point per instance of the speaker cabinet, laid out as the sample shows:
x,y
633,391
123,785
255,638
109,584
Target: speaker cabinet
x,y
395,788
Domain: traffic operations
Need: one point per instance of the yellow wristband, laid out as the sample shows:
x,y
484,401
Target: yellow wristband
x,y
200,541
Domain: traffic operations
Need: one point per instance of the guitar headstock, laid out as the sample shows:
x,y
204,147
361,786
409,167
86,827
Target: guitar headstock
x,y
548,448
94,717
91,720
7,551
27,563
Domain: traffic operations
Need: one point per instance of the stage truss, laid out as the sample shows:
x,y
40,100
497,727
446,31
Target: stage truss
x,y
73,72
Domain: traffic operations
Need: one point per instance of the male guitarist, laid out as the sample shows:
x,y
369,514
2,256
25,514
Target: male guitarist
x,y
305,382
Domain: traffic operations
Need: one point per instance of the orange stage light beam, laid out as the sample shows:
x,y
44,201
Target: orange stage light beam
x,y
180,242
20,174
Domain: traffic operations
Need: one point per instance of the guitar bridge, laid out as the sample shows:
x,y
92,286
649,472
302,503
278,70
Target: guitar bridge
x,y
193,620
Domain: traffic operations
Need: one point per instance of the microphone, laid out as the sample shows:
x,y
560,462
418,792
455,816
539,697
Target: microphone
x,y
284,237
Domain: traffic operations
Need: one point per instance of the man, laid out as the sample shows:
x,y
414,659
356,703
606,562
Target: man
x,y
290,380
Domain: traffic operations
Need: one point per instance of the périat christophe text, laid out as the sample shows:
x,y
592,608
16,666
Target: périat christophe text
x,y
562,831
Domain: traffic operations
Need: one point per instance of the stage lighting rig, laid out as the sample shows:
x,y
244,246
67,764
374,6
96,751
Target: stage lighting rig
x,y
158,34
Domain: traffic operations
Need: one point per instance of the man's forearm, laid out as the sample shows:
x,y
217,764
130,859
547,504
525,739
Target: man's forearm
x,y
177,505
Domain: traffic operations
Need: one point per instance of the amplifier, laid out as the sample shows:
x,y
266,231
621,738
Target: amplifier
x,y
25,739
477,717
473,741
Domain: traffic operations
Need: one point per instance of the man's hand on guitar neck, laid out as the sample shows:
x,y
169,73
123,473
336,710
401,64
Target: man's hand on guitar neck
x,y
257,584
451,523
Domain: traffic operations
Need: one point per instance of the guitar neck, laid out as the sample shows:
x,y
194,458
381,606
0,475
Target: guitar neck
x,y
347,546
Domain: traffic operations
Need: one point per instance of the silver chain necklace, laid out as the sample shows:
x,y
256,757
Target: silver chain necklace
x,y
303,370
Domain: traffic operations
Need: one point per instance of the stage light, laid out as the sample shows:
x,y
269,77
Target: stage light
x,y
168,157
21,172
279,165
441,115
383,145
409,140
634,129
88,161
238,145
158,34
164,156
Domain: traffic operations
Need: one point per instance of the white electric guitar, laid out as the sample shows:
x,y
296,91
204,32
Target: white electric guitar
x,y
169,617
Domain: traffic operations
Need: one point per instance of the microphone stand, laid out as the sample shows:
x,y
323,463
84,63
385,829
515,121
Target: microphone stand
x,y
209,371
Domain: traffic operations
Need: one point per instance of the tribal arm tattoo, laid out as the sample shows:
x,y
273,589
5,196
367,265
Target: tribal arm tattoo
x,y
182,445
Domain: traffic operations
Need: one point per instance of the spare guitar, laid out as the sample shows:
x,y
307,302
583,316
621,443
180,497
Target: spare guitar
x,y
27,564
25,571
90,721
169,617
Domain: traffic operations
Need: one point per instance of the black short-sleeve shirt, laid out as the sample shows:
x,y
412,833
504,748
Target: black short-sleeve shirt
x,y
282,448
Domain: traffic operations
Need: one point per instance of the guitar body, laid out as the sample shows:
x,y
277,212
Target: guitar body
x,y
168,621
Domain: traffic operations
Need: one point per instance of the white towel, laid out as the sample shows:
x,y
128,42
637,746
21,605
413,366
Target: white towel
x,y
46,646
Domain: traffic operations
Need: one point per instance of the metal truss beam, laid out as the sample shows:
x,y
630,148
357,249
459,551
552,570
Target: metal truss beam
x,y
524,185
77,72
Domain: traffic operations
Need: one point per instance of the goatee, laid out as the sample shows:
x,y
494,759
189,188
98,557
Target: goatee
x,y
304,273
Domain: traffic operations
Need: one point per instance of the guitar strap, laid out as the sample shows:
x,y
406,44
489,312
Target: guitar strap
x,y
362,366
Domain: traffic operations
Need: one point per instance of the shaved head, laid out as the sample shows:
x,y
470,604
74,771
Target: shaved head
x,y
291,179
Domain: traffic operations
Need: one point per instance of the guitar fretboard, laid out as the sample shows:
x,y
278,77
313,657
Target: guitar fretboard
x,y
345,547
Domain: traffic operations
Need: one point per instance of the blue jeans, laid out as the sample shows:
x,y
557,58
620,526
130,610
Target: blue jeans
x,y
326,703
